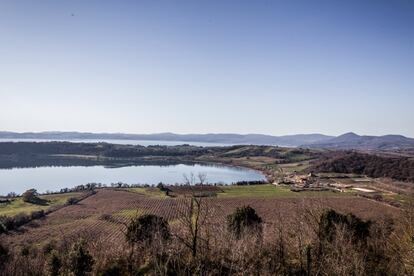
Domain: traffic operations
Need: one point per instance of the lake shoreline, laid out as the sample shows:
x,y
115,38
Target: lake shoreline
x,y
53,178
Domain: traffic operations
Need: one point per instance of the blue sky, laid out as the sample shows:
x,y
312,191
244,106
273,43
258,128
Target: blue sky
x,y
273,67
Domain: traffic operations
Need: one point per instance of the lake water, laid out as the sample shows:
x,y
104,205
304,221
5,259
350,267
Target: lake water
x,y
55,178
122,142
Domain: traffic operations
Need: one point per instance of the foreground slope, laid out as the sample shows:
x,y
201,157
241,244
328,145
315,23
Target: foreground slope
x,y
102,217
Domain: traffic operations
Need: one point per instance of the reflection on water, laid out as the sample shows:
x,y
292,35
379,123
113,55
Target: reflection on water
x,y
54,178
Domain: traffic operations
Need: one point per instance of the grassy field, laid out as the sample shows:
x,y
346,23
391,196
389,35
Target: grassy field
x,y
272,191
149,192
18,206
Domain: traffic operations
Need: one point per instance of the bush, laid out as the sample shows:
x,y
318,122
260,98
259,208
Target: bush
x,y
355,227
6,224
11,223
54,263
4,255
18,220
37,214
3,227
80,260
72,201
114,268
49,247
146,228
244,219
25,250
161,187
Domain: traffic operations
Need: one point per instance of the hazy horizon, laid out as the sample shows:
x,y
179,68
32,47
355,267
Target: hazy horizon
x,y
267,67
206,133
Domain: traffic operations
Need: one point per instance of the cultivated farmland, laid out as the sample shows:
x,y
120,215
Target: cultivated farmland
x,y
102,217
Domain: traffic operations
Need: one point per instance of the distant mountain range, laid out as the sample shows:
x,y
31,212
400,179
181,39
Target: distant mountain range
x,y
224,138
346,141
353,141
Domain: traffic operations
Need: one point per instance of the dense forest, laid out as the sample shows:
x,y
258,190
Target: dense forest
x,y
132,151
96,149
399,168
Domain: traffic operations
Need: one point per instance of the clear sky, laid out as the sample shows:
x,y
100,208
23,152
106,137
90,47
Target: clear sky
x,y
272,67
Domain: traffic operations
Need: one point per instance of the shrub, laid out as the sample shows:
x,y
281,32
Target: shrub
x,y
161,187
355,227
25,250
72,201
49,247
244,219
4,255
3,227
6,224
106,217
54,263
146,228
80,260
37,214
114,268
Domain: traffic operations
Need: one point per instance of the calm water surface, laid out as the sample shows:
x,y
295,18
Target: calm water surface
x,y
122,142
55,178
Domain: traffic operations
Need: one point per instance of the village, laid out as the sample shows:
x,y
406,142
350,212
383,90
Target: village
x,y
320,182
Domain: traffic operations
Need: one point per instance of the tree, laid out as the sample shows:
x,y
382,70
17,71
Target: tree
x,y
31,196
244,219
80,260
11,195
195,216
161,187
191,180
147,228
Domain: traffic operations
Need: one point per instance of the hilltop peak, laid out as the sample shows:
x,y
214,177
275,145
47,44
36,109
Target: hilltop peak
x,y
349,135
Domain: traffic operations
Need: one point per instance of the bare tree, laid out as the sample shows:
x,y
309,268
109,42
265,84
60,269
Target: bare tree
x,y
195,216
192,180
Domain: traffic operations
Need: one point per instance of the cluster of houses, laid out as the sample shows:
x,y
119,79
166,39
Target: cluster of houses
x,y
312,182
309,182
300,180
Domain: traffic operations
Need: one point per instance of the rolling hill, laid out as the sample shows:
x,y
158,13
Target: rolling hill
x,y
363,142
225,138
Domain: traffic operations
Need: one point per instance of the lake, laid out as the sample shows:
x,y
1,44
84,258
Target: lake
x,y
55,178
122,142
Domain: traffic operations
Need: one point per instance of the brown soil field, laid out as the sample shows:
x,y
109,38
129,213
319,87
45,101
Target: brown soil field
x,y
185,190
101,218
